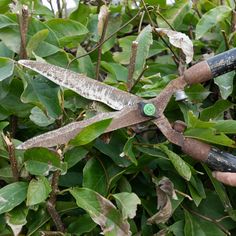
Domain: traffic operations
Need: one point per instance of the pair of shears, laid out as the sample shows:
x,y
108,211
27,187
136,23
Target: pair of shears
x,y
132,110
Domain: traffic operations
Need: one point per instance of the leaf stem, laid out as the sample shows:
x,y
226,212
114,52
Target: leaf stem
x,y
132,61
208,219
139,78
225,39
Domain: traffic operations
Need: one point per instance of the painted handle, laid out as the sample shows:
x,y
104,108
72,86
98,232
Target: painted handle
x,y
213,157
223,62
221,161
213,67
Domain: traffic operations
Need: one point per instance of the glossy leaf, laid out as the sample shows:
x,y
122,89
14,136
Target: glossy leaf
x,y
12,195
180,165
128,150
102,211
38,191
95,176
225,84
215,110
16,219
211,19
40,161
127,203
91,132
6,68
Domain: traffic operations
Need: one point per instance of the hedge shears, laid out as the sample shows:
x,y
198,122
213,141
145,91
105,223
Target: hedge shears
x,y
132,110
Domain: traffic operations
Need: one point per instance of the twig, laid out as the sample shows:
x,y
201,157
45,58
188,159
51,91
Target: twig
x,y
104,30
105,40
64,7
12,157
233,21
139,78
51,233
163,18
13,124
141,22
51,203
132,61
59,9
183,194
50,3
225,39
23,18
208,219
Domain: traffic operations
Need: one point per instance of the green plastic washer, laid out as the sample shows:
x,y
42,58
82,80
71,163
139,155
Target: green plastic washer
x,y
149,109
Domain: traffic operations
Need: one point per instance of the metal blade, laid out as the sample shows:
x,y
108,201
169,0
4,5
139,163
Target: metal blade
x,y
63,135
84,86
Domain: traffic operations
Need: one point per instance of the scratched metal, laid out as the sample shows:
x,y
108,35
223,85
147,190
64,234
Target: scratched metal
x,y
84,86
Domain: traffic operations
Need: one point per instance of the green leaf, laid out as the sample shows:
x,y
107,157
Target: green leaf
x,y
83,224
86,66
91,132
12,195
40,118
81,14
209,135
67,30
38,191
128,150
16,219
215,110
42,93
127,203
39,46
144,40
6,68
95,176
225,83
74,155
174,14
102,211
197,93
225,126
3,125
117,71
5,21
211,19
39,161
181,167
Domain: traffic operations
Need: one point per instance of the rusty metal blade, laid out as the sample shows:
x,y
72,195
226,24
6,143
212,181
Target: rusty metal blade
x,y
63,135
84,86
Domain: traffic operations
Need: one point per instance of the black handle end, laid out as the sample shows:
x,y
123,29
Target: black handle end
x,y
223,62
221,161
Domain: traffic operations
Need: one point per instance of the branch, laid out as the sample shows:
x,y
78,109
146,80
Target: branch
x,y
139,78
132,61
12,157
23,18
105,40
51,203
100,43
59,9
225,39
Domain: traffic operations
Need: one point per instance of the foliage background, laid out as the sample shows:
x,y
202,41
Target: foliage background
x,y
75,189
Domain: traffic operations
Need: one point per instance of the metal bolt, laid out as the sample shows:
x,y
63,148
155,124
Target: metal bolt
x,y
149,109
180,95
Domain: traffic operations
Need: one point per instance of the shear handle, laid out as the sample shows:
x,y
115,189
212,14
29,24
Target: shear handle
x,y
213,157
212,67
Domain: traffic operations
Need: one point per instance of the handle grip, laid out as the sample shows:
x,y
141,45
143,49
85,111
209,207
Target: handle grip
x,y
223,62
213,157
221,161
212,67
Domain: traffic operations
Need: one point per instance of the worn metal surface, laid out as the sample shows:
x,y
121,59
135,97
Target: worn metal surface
x,y
198,73
196,149
223,62
221,161
84,86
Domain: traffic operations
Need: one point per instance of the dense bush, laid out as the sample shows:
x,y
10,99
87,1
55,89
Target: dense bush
x,y
130,181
